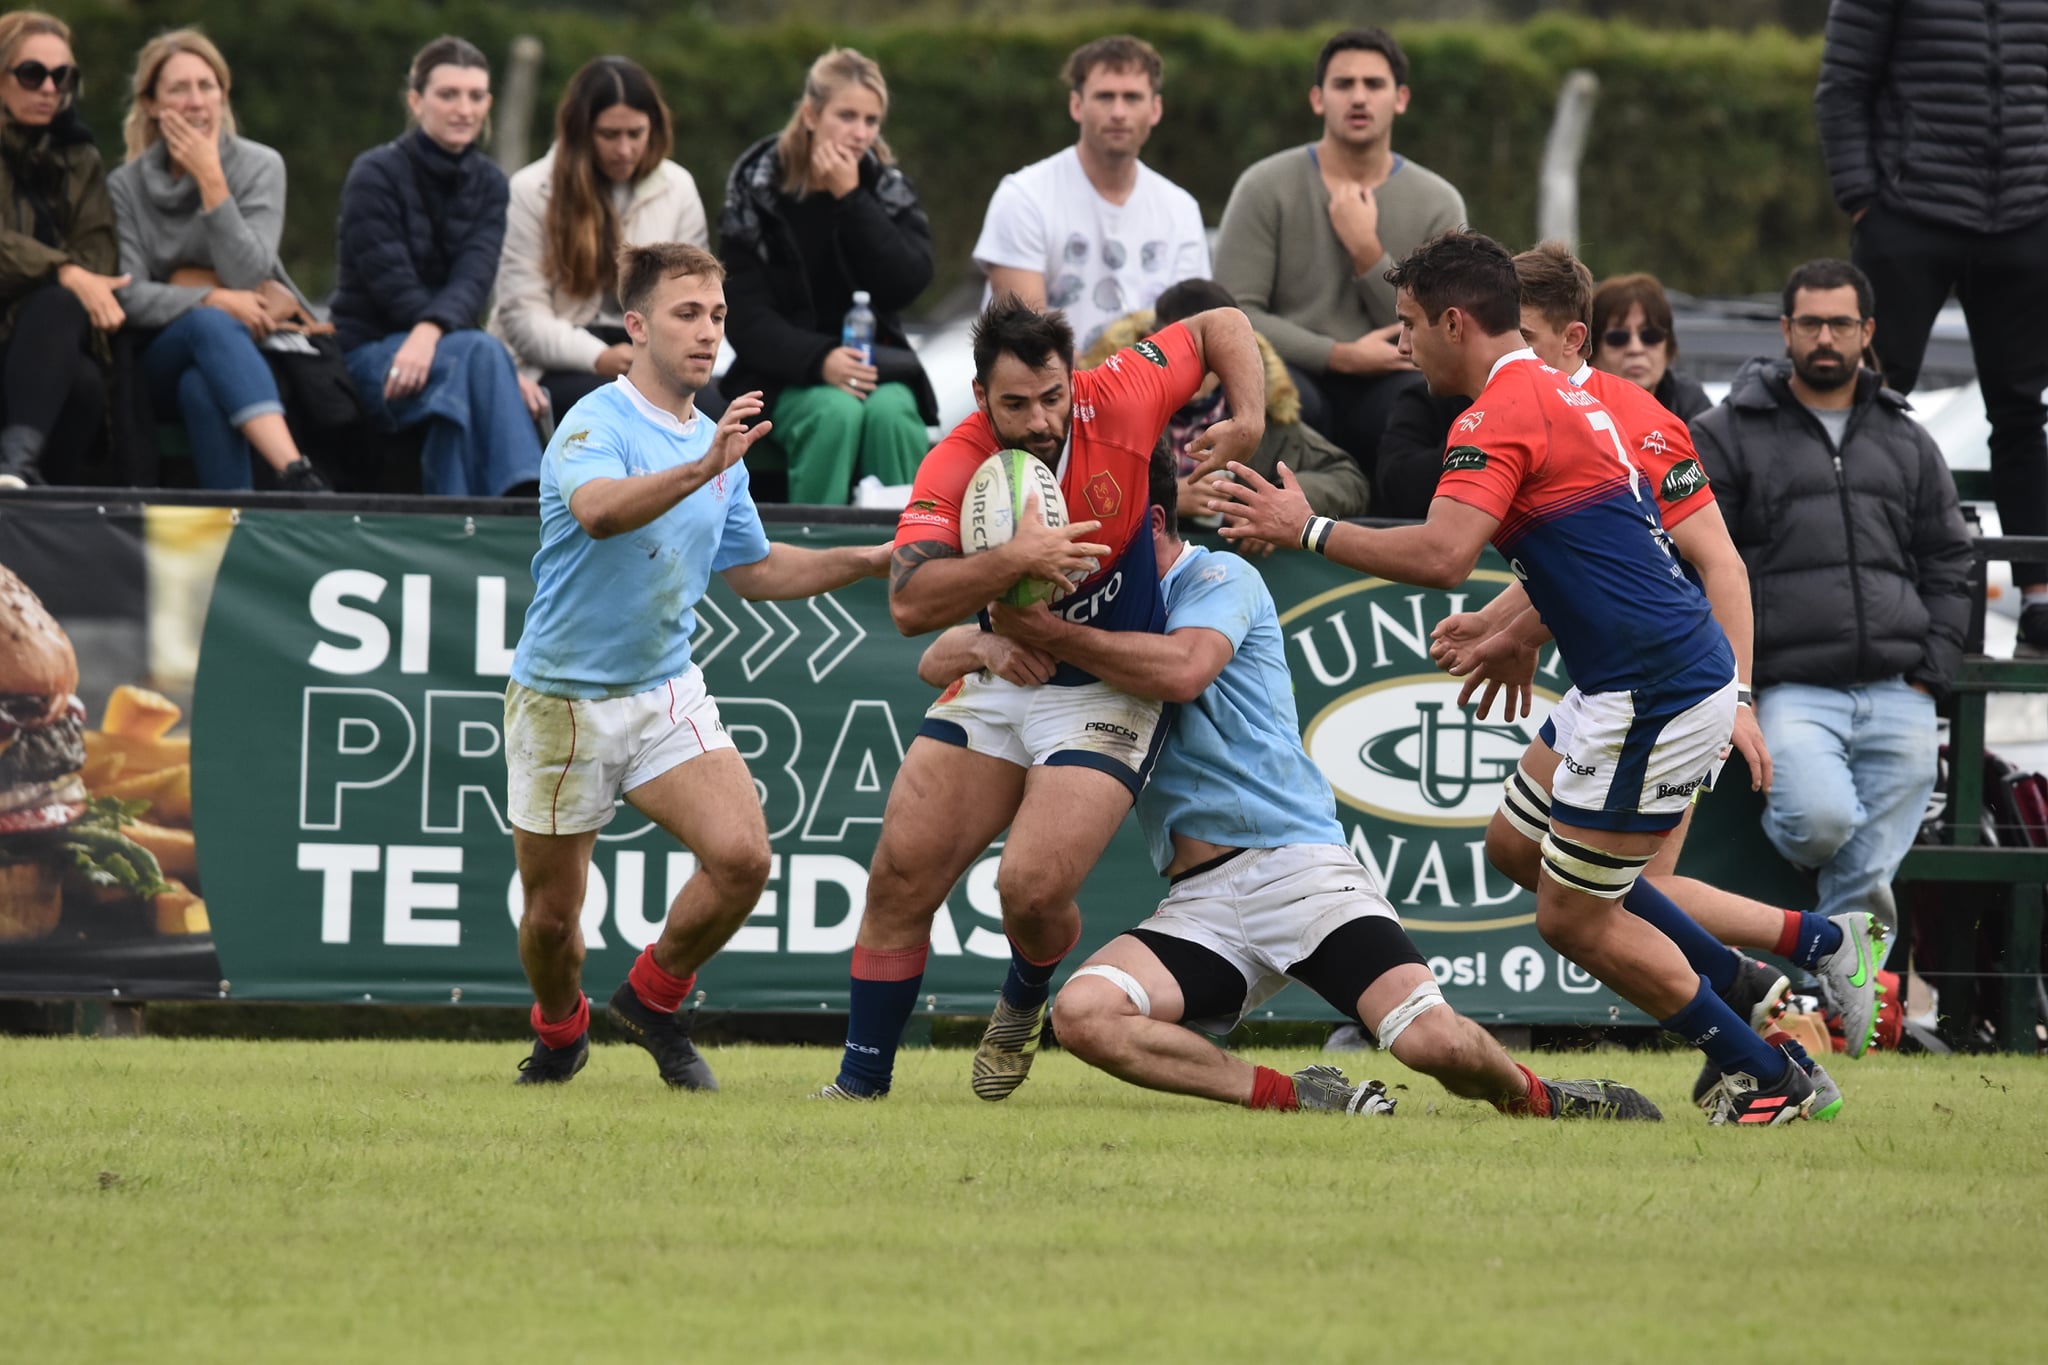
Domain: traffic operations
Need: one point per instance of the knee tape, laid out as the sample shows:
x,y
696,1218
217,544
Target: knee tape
x,y
1525,804
1423,998
1606,875
1121,979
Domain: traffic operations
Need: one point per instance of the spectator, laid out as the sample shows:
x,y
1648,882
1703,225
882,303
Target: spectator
x,y
57,257
195,199
811,215
1329,478
1930,118
606,183
1309,234
422,219
1633,337
1092,230
1858,563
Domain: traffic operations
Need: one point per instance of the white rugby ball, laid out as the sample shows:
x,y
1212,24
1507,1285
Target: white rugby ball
x,y
995,501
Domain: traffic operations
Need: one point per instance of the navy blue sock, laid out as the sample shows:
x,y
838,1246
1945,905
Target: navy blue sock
x,y
1706,954
1730,1043
1028,983
1818,936
881,995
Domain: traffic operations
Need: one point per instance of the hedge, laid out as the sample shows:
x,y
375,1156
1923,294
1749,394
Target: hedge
x,y
1704,166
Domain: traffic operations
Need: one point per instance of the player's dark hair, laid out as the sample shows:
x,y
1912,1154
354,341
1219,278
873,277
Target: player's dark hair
x,y
1162,483
1467,271
1010,326
642,268
1119,52
1179,302
1364,40
1831,274
1557,284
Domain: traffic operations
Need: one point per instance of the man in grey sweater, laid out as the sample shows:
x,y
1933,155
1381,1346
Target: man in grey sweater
x,y
1310,233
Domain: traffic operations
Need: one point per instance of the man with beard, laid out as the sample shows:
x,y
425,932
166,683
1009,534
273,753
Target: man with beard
x,y
1058,765
1845,513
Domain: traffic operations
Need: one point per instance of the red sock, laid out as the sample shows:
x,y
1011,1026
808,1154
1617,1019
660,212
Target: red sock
x,y
900,965
656,988
562,1032
1788,937
1535,1102
1272,1090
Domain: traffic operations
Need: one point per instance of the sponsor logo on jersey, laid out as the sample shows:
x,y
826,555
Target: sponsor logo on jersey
x,y
1084,412
922,505
578,438
1582,769
1464,457
1150,350
1104,727
1655,443
1104,497
1666,790
1471,420
1685,479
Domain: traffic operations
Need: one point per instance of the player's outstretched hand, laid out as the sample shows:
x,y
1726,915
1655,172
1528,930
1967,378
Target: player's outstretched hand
x,y
1749,742
1455,637
1233,438
1501,663
1254,509
734,438
1056,554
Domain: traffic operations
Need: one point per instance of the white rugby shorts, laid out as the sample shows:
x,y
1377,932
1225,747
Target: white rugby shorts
x,y
568,761
1266,909
1631,761
1089,726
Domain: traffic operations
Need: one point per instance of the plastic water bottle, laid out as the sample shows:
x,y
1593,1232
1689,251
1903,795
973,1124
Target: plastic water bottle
x,y
857,333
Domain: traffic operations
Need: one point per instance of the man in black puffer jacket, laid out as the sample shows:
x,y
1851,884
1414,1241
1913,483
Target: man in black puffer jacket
x,y
1934,119
1846,516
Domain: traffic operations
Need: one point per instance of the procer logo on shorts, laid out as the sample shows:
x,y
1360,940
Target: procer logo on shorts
x,y
1104,727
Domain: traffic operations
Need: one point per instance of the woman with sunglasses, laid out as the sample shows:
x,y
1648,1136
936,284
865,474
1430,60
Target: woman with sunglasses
x,y
200,211
606,183
58,256
1633,338
422,222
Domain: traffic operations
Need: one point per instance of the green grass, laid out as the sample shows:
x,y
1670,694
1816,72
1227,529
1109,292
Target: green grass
x,y
213,1201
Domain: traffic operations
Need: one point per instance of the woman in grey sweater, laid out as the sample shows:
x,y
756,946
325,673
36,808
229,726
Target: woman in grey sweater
x,y
194,197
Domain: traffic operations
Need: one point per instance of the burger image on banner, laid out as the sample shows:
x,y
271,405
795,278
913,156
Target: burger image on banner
x,y
55,836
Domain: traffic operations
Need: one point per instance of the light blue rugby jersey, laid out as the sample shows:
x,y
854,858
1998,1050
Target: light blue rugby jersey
x,y
1233,771
612,618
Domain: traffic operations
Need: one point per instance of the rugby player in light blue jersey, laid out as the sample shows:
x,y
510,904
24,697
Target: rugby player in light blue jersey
x,y
642,499
1263,888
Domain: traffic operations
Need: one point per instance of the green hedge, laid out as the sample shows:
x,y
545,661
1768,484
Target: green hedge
x,y
1704,166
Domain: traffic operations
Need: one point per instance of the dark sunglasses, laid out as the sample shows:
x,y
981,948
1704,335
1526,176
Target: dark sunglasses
x,y
31,75
1618,337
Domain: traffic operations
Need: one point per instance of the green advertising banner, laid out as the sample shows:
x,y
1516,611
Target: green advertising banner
x,y
348,779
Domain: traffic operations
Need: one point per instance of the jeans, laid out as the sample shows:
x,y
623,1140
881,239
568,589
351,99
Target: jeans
x,y
1853,767
208,367
481,441
833,438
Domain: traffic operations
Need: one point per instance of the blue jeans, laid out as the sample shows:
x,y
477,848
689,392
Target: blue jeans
x,y
208,366
1853,768
480,439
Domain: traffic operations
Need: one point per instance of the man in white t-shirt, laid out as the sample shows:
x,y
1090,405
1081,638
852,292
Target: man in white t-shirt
x,y
1092,230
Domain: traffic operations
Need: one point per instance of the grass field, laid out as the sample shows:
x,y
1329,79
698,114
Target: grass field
x,y
185,1201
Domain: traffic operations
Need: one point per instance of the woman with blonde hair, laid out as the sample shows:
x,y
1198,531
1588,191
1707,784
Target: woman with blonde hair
x,y
422,223
57,257
811,216
606,183
200,211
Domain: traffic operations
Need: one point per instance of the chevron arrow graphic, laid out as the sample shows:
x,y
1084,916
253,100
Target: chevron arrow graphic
x,y
831,654
709,619
752,665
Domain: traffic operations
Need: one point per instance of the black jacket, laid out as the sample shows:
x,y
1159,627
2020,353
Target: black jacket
x,y
1938,108
418,239
1858,564
782,323
1682,397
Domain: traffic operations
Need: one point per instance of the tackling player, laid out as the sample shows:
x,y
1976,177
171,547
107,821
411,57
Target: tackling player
x,y
1539,467
641,501
1058,765
1263,888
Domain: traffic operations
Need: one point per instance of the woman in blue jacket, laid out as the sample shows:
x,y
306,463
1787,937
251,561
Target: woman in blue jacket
x,y
422,221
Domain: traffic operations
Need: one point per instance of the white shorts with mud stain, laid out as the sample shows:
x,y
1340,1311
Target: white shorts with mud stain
x,y
568,762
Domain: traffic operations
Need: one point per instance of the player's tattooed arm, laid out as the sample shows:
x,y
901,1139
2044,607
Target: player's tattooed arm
x,y
908,559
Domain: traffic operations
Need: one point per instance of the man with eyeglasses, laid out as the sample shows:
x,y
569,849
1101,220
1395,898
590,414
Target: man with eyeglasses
x,y
1846,516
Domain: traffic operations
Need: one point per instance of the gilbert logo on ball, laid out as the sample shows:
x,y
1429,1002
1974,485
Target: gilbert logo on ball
x,y
995,505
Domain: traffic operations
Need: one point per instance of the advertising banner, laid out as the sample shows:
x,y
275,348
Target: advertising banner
x,y
343,775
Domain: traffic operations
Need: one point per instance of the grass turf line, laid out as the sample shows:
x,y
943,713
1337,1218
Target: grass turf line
x,y
170,1200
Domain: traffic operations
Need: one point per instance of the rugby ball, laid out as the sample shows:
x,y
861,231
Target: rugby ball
x,y
995,501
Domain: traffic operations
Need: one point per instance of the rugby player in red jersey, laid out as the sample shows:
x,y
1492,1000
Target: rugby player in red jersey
x,y
1540,467
1058,764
